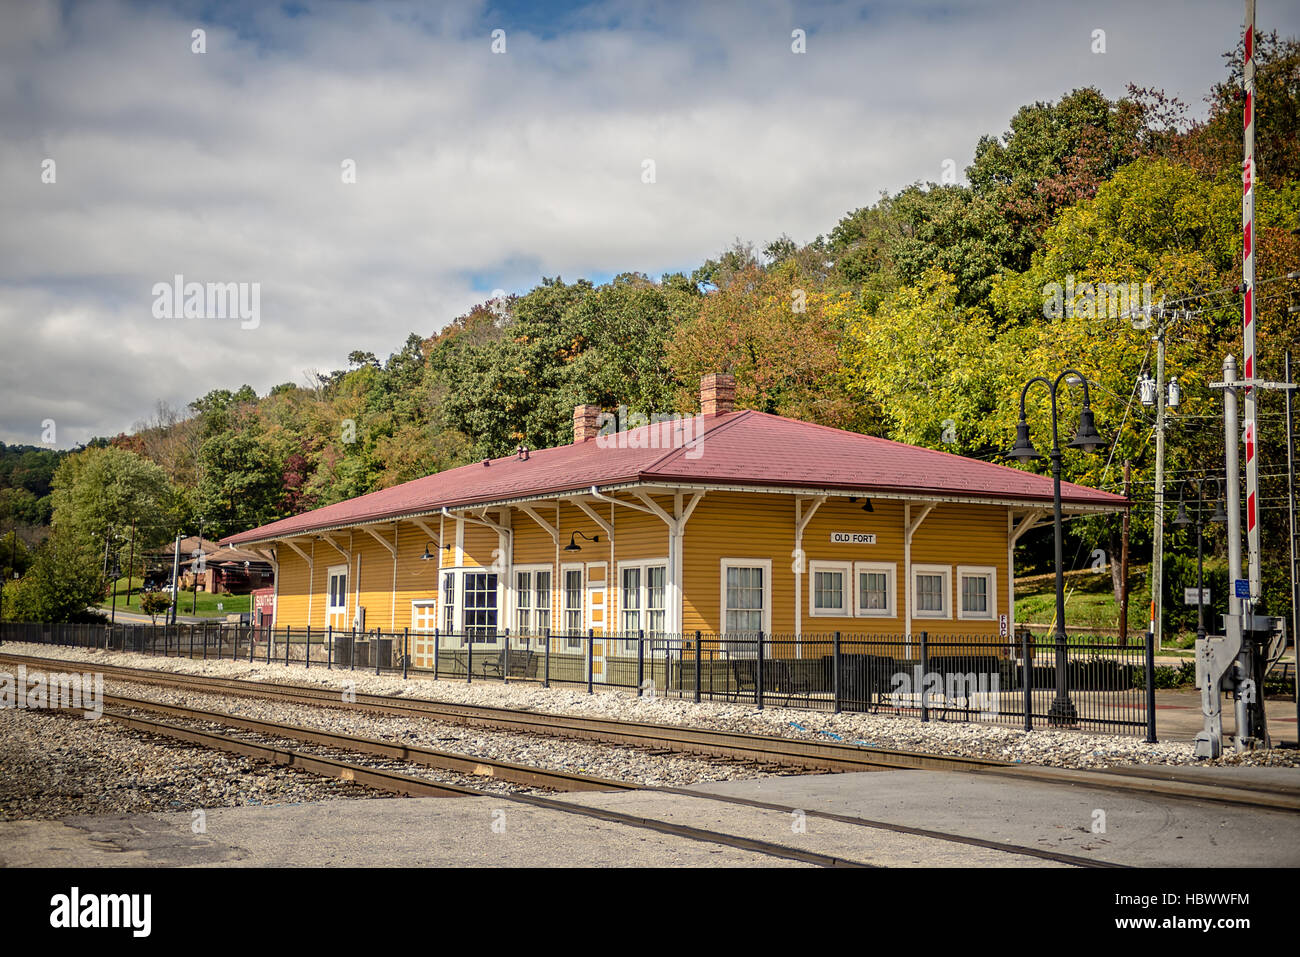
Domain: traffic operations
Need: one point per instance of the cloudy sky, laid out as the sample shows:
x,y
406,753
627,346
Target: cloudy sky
x,y
475,170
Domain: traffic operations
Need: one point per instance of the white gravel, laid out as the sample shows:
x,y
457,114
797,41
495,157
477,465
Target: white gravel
x,y
1046,747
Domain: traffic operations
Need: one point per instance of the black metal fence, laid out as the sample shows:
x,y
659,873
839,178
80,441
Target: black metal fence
x,y
1027,682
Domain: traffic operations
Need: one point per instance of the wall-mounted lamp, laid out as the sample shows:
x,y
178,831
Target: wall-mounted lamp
x,y
574,546
428,555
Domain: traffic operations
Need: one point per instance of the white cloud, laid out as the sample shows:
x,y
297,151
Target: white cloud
x,y
226,166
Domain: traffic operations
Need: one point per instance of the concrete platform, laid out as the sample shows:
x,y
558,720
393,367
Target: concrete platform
x,y
480,832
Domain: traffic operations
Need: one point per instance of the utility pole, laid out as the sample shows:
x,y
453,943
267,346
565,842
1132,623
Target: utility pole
x,y
1158,519
1290,511
176,569
1123,568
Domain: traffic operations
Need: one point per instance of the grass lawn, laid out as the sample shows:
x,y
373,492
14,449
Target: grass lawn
x,y
1090,602
207,604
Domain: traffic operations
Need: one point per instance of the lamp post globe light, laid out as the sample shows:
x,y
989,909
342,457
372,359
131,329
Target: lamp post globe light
x,y
1086,439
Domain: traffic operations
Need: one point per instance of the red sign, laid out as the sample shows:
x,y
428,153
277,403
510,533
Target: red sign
x,y
263,606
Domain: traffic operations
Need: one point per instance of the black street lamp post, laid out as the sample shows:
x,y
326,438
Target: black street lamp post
x,y
1062,713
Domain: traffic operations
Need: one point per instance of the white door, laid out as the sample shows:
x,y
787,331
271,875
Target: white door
x,y
336,608
597,615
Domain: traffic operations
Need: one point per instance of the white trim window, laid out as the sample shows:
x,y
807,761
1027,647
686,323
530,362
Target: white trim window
x,y
471,605
746,586
876,589
532,599
830,589
481,606
573,607
448,603
977,591
643,600
931,591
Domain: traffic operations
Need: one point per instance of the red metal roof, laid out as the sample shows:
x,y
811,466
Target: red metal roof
x,y
747,448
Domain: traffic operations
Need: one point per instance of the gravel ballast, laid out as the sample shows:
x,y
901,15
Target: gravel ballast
x,y
57,765
1046,747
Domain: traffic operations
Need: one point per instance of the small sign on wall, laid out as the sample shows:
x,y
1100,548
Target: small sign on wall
x,y
1003,627
853,538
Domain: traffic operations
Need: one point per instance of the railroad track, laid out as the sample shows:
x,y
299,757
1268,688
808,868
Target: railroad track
x,y
397,782
737,746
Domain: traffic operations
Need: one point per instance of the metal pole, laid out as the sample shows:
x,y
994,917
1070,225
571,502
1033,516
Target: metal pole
x,y
329,647
758,689
1151,688
591,644
176,570
925,668
1062,711
640,660
437,641
835,670
1200,570
698,661
1027,667
308,654
406,649
1158,517
1290,509
1123,566
546,675
1248,172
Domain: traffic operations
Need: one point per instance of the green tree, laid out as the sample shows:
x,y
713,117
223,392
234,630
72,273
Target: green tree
x,y
64,581
99,490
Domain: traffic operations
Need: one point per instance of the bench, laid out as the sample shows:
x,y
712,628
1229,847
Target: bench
x,y
519,664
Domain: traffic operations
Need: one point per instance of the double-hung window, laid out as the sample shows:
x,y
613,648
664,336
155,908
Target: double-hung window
x,y
573,608
532,601
746,602
643,604
830,589
977,592
931,591
875,590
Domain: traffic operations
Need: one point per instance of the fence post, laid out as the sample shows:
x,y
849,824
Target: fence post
x,y
925,671
698,659
437,640
377,634
352,658
1027,679
270,642
469,658
406,649
546,675
191,642
288,632
505,657
329,647
591,645
835,670
758,682
1151,687
309,647
640,660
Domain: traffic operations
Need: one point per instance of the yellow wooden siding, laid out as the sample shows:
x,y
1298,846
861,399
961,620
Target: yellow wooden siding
x,y
736,525
724,525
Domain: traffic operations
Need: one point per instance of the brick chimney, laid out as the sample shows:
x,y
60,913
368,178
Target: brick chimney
x,y
585,422
717,393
